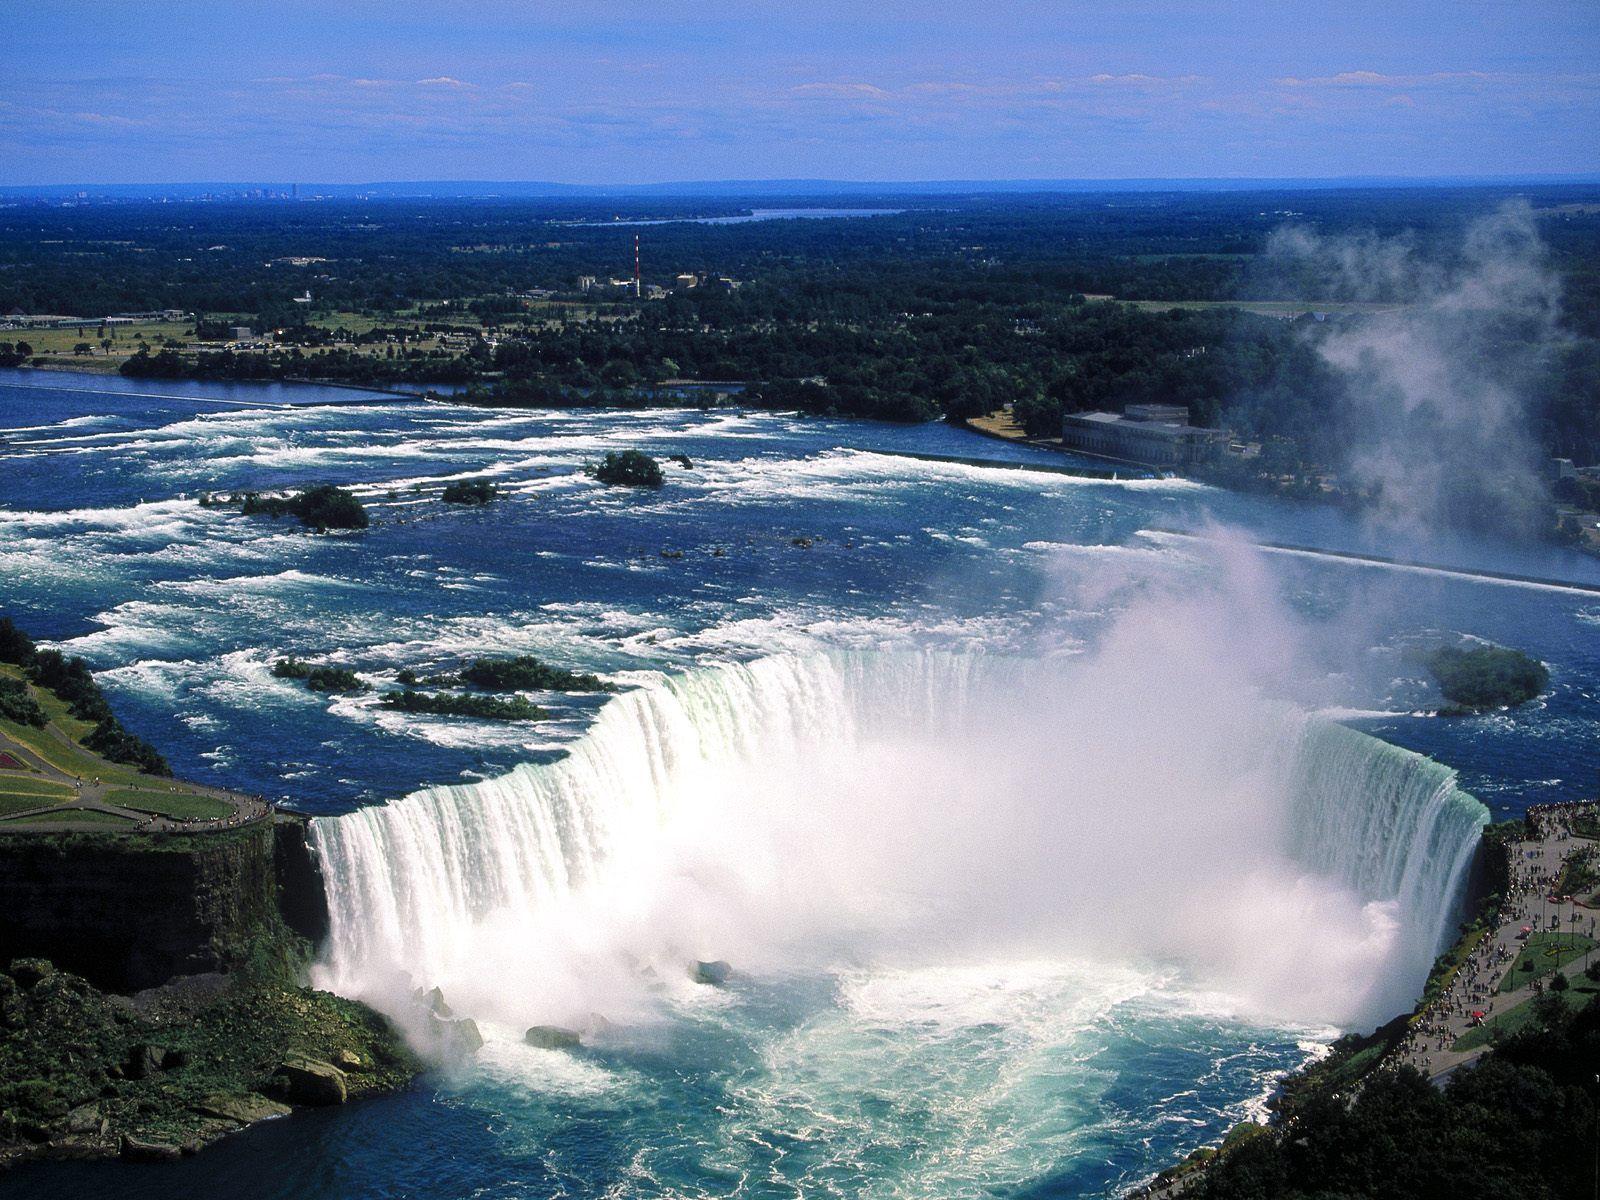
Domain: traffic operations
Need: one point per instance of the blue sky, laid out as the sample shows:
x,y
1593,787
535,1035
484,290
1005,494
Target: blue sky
x,y
623,92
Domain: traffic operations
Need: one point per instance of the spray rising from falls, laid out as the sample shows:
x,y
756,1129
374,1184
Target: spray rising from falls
x,y
805,812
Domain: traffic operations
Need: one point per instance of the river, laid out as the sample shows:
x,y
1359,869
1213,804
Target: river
x,y
1022,823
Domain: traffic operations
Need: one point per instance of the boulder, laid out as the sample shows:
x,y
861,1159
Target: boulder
x,y
458,1037
553,1037
714,973
311,1082
348,1061
144,1060
136,1149
434,1002
87,1120
242,1110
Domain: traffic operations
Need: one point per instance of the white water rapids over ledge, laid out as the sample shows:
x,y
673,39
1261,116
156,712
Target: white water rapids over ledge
x,y
857,810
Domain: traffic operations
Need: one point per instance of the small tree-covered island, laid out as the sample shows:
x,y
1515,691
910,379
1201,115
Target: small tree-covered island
x,y
1475,678
470,492
629,468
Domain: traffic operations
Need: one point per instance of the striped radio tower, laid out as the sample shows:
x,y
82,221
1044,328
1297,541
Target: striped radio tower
x,y
637,289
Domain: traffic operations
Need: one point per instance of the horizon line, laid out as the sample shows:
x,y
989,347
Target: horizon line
x,y
1037,183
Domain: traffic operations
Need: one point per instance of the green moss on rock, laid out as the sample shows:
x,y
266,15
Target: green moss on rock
x,y
86,1073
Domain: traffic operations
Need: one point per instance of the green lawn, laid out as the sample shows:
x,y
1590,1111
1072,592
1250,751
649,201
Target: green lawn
x,y
1546,952
37,790
184,805
69,758
71,816
61,341
1508,1022
11,803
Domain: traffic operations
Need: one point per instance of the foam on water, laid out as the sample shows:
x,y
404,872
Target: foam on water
x,y
768,812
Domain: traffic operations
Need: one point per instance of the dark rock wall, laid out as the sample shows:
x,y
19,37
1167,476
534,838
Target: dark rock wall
x,y
128,913
301,897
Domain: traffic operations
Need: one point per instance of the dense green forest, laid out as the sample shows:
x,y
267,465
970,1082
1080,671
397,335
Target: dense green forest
x,y
1521,1125
381,256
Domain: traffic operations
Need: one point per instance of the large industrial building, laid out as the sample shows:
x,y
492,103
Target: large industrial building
x,y
1158,435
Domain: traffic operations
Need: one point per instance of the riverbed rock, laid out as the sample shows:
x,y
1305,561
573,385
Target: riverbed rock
x,y
553,1037
242,1110
457,1037
312,1082
714,973
433,1000
136,1149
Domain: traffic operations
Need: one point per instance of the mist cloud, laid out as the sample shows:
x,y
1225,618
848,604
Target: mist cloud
x,y
1436,415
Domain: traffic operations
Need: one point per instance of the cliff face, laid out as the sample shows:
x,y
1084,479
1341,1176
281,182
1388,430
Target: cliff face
x,y
301,897
209,931
128,913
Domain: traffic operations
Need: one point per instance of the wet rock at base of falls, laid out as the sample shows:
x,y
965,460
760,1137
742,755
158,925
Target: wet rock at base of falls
x,y
87,1120
136,1149
242,1110
434,1002
311,1082
715,973
144,1061
553,1037
457,1037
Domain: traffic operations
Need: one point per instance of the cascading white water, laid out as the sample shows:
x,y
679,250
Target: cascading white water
x,y
1386,821
850,806
407,880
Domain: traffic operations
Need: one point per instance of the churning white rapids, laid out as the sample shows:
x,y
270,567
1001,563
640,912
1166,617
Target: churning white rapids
x,y
885,813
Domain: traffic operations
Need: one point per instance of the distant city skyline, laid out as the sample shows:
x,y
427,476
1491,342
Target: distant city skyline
x,y
628,93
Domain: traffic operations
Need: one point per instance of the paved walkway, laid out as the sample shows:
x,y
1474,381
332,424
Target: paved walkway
x,y
1533,866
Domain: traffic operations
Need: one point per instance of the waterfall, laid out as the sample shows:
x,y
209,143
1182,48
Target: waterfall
x,y
405,879
886,791
1390,823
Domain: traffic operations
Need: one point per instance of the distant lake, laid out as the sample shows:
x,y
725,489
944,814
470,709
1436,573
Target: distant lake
x,y
759,214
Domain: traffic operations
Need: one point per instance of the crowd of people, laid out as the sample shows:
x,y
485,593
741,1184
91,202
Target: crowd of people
x,y
1534,869
246,810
